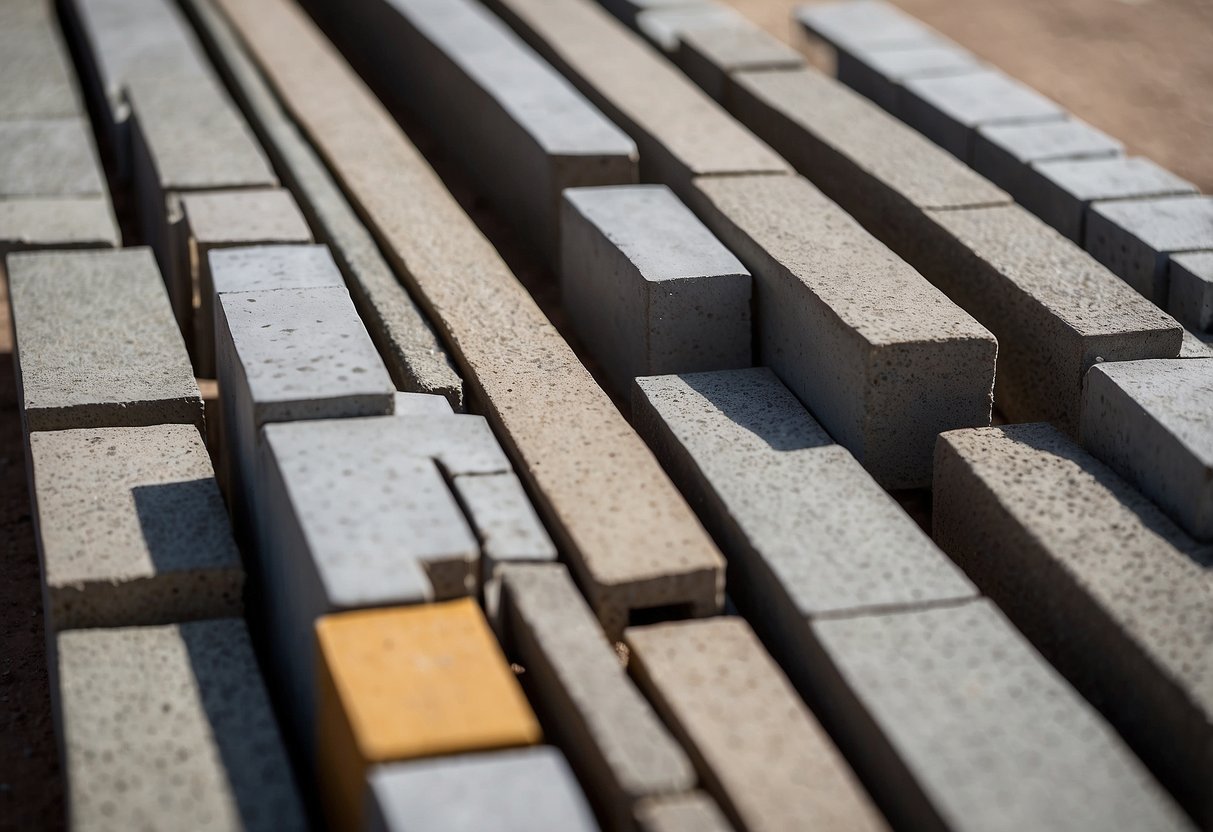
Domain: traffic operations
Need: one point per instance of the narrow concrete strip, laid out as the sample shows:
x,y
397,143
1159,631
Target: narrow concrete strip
x,y
38,78
1113,594
1190,296
880,74
1006,153
1152,422
169,728
709,56
690,812
57,223
758,749
95,342
882,357
615,740
582,463
49,157
131,528
648,289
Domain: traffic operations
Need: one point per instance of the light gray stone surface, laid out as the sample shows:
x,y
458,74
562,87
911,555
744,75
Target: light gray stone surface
x,y
710,55
1190,295
758,749
1135,238
878,74
962,725
131,528
648,289
882,358
690,812
1004,153
1196,347
171,728
59,223
506,791
1152,422
38,80
617,743
461,444
869,24
49,157
1113,594
422,404
261,268
96,344
664,27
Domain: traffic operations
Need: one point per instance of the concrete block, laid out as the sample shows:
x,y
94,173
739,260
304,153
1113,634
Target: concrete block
x,y
1152,422
1098,579
1196,347
510,791
38,78
710,55
880,73
664,27
628,10
648,289
1136,238
862,24
948,110
690,812
402,683
170,728
131,528
615,740
947,712
51,157
759,751
423,404
1190,295
882,358
95,342
58,223
1005,153
266,268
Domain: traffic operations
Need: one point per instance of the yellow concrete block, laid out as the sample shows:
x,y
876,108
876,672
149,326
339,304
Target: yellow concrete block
x,y
408,682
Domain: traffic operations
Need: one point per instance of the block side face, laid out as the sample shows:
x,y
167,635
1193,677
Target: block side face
x,y
700,324
1190,297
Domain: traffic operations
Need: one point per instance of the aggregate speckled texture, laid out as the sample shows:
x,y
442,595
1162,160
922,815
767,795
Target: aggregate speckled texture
x,y
266,268
60,223
51,157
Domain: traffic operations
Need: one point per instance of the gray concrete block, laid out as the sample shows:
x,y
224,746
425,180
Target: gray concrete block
x,y
879,74
664,27
618,746
949,110
1004,153
510,791
690,812
710,55
758,749
805,529
38,79
171,728
461,444
265,268
1136,238
96,344
882,358
866,24
648,289
1152,422
58,223
1099,580
1190,294
959,724
49,157
422,404
1196,346
627,10
131,528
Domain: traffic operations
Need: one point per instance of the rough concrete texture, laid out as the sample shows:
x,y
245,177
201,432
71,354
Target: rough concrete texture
x,y
37,71
407,342
710,55
665,27
648,289
96,344
884,360
507,791
506,524
1190,295
804,527
616,741
1113,594
261,268
1005,153
1196,347
169,728
690,812
1061,191
862,24
423,404
878,74
51,157
681,132
1135,238
461,444
948,110
62,223
1152,422
758,749
131,528
964,726
581,462
402,683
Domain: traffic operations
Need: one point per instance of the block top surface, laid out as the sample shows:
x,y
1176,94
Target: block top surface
x,y
51,157
1199,264
1165,225
423,680
61,222
983,97
461,443
1115,178
920,61
39,82
248,215
1045,140
666,25
690,812
862,24
505,520
740,47
1177,394
655,232
265,268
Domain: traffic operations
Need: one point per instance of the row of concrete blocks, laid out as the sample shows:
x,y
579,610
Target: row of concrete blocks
x,y
1125,211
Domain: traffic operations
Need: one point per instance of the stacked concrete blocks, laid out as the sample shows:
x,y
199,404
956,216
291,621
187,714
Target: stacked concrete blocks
x,y
711,55
882,74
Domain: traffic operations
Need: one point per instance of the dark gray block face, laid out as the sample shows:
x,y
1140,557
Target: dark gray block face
x,y
878,74
690,812
867,24
38,80
1004,153
1108,588
648,288
96,344
171,728
58,223
620,748
510,791
880,356
52,157
1190,296
967,727
1135,239
1152,422
710,55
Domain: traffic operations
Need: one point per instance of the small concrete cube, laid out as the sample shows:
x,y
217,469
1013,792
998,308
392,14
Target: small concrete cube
x,y
665,27
868,24
710,55
1004,153
48,158
879,74
1190,298
59,223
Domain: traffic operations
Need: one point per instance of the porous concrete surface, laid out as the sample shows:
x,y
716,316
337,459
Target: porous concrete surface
x,y
1196,347
39,81
758,749
507,791
867,24
1152,422
964,725
96,343
648,289
883,359
710,55
1005,153
50,157
1109,589
690,812
797,516
615,740
59,223
131,528
170,727
461,443
506,523
878,74
1190,298
665,27
1134,238
582,463
266,268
